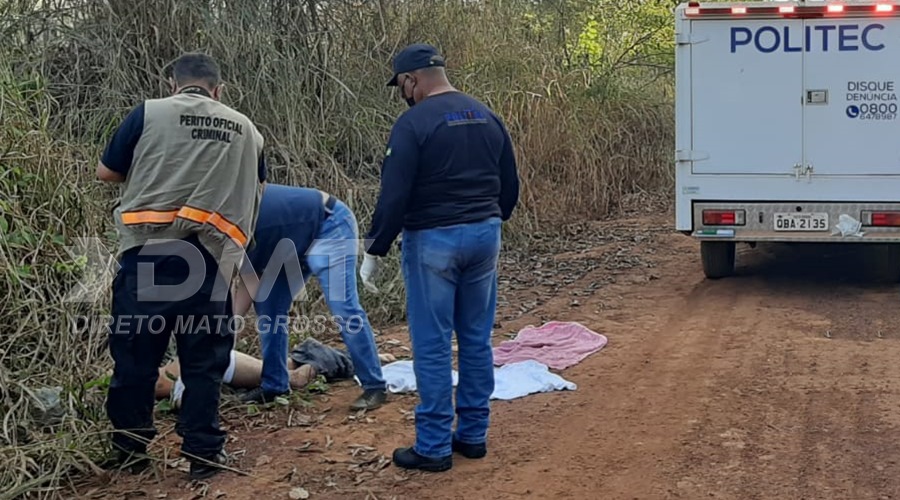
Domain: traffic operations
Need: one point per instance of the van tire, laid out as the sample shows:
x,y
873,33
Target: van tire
x,y
717,258
883,262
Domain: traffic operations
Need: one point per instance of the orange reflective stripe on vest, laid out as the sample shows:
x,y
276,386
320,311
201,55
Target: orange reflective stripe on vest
x,y
217,221
149,217
192,214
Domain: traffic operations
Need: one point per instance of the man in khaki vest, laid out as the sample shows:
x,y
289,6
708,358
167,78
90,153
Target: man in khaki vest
x,y
192,172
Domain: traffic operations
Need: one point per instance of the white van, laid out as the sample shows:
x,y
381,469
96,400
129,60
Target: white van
x,y
787,126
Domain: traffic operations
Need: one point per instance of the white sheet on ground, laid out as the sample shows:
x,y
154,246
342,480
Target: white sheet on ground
x,y
511,381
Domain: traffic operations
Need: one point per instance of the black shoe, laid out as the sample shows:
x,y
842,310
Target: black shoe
x,y
369,400
409,459
469,450
258,395
132,461
205,468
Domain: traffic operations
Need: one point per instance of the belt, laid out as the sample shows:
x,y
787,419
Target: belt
x,y
329,205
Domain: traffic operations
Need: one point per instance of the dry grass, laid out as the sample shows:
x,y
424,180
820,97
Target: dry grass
x,y
312,75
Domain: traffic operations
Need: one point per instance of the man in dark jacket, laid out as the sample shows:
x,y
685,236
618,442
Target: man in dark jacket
x,y
448,180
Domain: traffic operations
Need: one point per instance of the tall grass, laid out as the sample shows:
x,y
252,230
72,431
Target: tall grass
x,y
312,74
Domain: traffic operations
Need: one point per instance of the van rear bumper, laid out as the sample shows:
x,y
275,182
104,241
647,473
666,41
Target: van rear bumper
x,y
799,221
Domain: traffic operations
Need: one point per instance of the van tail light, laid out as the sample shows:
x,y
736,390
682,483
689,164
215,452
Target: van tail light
x,y
723,217
881,218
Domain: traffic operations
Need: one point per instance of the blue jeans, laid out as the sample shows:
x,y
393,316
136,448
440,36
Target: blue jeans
x,y
451,285
332,258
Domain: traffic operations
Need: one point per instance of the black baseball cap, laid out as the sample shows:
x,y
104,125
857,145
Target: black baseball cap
x,y
413,57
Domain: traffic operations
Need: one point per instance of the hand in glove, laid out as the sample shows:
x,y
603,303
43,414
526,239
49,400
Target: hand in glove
x,y
369,269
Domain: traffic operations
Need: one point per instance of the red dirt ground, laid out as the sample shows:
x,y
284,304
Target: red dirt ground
x,y
781,382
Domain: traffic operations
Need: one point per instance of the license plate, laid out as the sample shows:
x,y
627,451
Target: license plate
x,y
801,222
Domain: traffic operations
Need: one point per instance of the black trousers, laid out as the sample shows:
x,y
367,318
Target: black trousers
x,y
143,319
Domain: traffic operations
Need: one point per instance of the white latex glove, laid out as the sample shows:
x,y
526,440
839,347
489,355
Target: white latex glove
x,y
369,269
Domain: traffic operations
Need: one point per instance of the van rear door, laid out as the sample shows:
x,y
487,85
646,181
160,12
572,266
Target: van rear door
x,y
746,107
851,80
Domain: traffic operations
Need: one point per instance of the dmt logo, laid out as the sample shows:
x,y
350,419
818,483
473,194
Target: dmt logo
x,y
824,37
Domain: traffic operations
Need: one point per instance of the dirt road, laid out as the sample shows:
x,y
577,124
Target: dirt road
x,y
781,382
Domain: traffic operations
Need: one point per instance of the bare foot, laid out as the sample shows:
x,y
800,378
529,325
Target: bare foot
x,y
302,376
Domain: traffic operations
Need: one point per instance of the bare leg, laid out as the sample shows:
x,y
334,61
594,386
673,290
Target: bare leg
x,y
247,371
247,374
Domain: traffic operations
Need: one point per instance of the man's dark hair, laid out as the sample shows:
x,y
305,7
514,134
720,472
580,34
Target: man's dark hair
x,y
196,68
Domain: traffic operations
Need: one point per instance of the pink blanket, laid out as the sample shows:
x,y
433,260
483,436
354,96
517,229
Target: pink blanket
x,y
556,344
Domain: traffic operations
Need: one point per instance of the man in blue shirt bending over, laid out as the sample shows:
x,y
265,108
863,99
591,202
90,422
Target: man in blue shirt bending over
x,y
303,231
448,180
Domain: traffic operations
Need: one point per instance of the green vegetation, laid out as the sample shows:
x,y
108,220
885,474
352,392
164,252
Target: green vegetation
x,y
584,86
